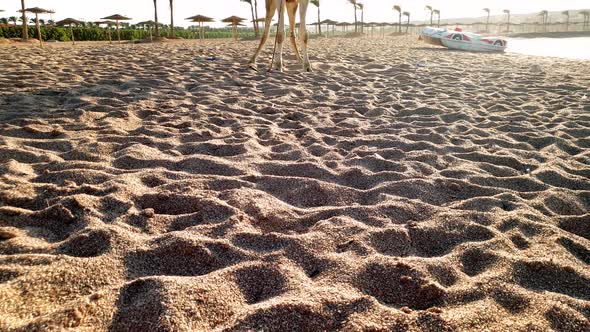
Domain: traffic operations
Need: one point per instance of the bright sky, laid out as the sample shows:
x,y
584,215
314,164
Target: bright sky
x,y
338,10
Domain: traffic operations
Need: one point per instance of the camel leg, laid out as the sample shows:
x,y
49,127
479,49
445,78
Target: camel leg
x,y
292,11
303,33
280,37
270,11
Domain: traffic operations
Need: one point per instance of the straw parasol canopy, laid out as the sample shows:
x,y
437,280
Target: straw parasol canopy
x,y
148,23
37,11
108,23
261,20
70,22
117,18
200,19
234,21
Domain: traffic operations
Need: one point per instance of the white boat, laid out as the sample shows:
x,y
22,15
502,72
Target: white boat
x,y
465,41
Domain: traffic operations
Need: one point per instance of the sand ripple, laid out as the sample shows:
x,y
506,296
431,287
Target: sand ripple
x,y
143,189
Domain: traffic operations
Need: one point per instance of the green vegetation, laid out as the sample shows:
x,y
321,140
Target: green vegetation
x,y
97,34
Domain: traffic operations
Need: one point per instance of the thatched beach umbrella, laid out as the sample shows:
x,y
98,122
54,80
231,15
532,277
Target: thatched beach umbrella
x,y
263,21
236,27
200,19
108,23
37,11
234,21
347,25
342,26
71,22
372,25
328,23
117,18
382,25
150,24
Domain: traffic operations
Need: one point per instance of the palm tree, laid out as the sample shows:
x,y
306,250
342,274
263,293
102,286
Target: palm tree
x,y
487,10
399,10
354,4
362,9
408,23
156,17
256,16
253,16
429,8
544,17
4,20
13,19
507,12
319,26
566,13
437,12
24,19
172,34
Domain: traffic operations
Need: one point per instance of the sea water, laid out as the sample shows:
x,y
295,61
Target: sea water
x,y
570,48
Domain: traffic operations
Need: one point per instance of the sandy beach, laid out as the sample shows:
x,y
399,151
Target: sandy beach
x,y
398,187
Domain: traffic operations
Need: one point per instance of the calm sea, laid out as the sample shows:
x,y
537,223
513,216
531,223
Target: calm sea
x,y
571,48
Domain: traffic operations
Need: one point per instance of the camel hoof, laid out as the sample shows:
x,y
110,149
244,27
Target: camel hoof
x,y
253,66
308,68
278,67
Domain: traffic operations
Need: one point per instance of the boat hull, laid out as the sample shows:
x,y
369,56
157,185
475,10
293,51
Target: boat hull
x,y
433,36
471,46
464,41
432,40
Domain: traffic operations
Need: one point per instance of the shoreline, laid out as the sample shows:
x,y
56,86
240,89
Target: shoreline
x,y
560,34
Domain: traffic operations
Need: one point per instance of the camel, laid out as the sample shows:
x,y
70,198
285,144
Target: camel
x,y
291,7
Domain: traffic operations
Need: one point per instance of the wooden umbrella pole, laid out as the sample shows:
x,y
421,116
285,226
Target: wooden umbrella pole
x,y
39,30
73,38
118,32
109,30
